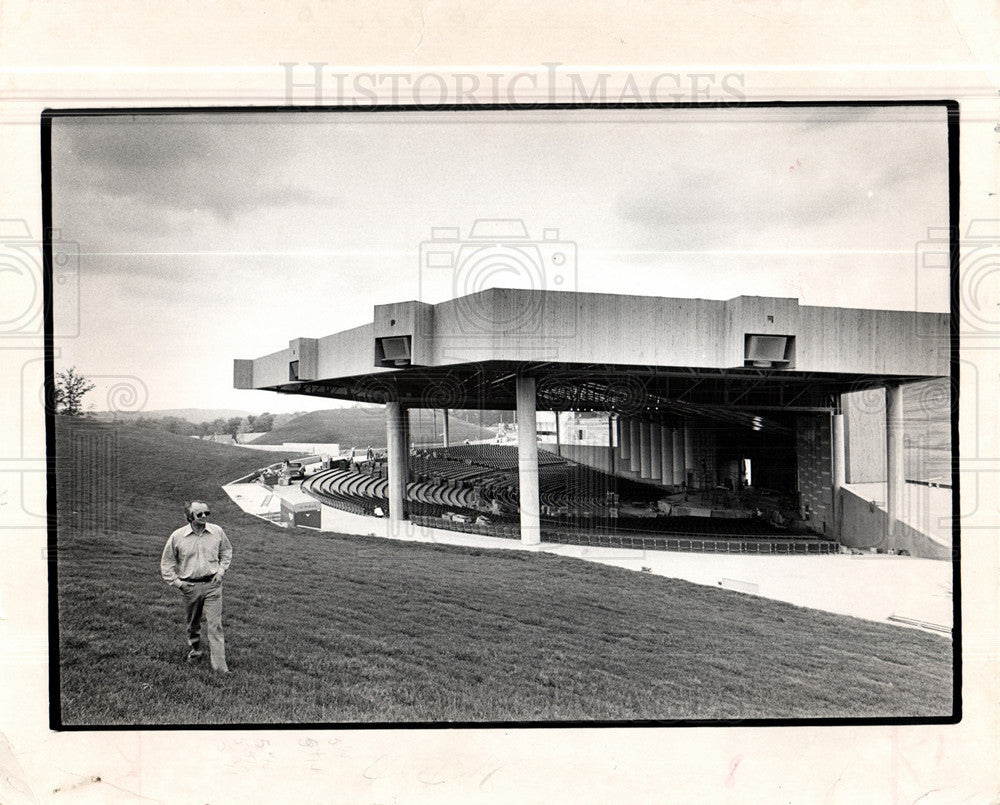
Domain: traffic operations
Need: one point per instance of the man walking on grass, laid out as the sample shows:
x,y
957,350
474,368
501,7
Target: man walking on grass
x,y
194,561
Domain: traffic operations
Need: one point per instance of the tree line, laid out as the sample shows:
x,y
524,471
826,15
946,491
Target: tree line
x,y
221,426
70,387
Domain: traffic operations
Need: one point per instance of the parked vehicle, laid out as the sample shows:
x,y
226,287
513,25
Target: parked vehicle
x,y
293,471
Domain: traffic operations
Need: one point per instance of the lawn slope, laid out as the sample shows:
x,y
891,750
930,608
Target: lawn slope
x,y
327,628
360,427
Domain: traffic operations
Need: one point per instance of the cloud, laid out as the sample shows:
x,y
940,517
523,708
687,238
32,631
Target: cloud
x,y
129,166
836,185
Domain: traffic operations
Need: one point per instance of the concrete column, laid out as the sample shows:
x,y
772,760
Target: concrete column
x,y
611,444
635,443
645,449
407,445
447,434
654,451
624,439
895,477
558,435
689,462
839,460
666,456
527,461
678,445
395,429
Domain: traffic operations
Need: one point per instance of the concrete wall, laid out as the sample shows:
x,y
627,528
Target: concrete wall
x,y
522,325
319,448
344,354
349,353
864,526
703,467
272,370
864,435
596,456
509,324
813,444
759,315
871,341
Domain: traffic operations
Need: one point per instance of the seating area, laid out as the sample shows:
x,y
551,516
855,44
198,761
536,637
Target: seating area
x,y
495,456
702,544
361,493
474,489
443,469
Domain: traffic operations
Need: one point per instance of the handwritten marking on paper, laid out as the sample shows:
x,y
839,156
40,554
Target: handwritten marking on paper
x,y
731,779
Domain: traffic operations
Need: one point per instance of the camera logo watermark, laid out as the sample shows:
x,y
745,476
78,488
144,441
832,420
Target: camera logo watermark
x,y
977,302
318,83
22,312
499,253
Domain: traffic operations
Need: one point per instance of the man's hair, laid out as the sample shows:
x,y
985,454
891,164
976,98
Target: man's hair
x,y
189,506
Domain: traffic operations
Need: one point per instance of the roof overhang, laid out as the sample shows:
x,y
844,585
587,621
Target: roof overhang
x,y
737,360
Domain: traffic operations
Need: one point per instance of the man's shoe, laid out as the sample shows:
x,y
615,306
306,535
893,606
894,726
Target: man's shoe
x,y
194,656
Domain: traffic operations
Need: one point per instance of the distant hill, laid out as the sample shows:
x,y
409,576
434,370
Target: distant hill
x,y
195,415
360,427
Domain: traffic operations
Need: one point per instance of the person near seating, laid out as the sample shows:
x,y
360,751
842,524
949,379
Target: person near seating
x,y
194,560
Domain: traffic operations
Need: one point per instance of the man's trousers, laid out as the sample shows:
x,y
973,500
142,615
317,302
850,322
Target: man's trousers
x,y
205,601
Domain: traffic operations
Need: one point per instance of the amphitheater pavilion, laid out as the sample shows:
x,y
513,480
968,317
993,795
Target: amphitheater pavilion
x,y
767,377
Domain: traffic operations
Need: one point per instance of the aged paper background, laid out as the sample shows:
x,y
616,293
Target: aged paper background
x,y
83,54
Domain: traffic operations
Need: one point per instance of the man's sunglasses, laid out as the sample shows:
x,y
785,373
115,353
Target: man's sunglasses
x,y
202,514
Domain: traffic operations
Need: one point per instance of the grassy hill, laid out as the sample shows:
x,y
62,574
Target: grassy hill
x,y
329,628
196,415
360,427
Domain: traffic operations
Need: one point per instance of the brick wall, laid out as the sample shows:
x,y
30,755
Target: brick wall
x,y
703,449
815,481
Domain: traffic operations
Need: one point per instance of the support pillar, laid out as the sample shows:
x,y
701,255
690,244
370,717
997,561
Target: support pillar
x,y
395,429
689,462
666,456
645,449
839,459
527,462
624,439
679,469
407,446
895,478
654,452
447,435
611,444
635,443
558,436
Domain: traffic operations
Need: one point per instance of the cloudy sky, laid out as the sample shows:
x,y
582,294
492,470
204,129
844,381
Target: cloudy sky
x,y
205,238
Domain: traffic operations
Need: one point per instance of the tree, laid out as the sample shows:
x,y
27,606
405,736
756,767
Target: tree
x,y
233,425
175,424
70,386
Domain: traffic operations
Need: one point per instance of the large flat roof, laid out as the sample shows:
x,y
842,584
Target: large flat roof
x,y
610,352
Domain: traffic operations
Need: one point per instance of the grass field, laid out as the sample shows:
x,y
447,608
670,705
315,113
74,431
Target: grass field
x,y
360,427
325,628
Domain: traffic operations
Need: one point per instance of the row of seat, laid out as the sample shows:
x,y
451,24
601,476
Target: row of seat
x,y
445,469
575,507
371,491
503,530
696,545
495,456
